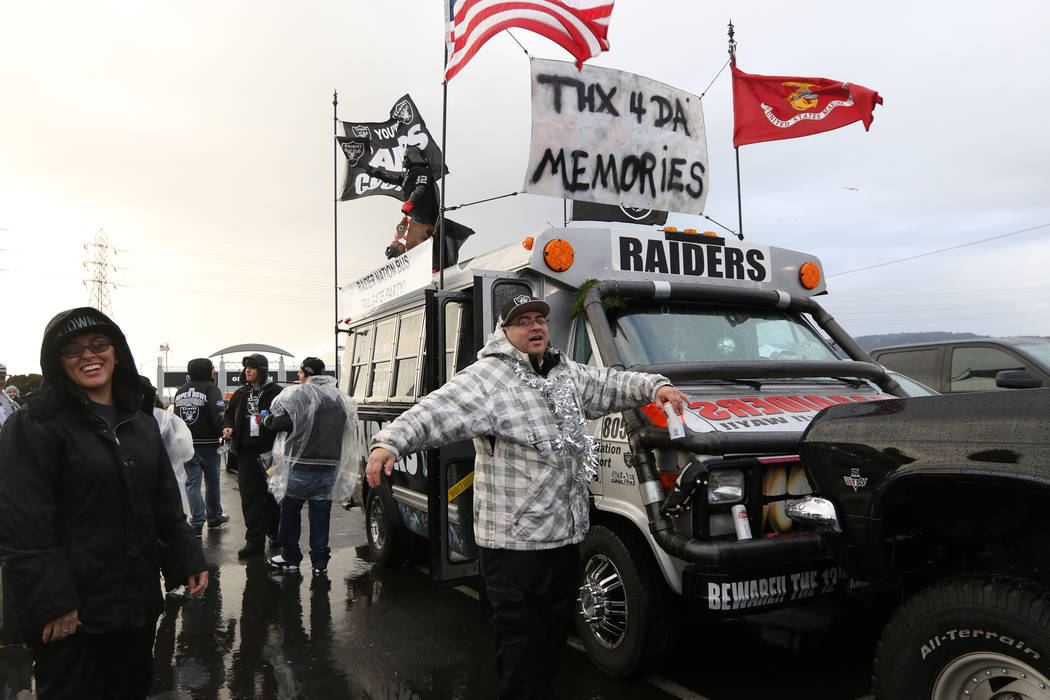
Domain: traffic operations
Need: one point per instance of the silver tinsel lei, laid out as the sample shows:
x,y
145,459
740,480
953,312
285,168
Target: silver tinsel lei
x,y
560,395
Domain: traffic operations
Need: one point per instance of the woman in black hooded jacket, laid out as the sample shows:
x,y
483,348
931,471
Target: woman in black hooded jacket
x,y
89,509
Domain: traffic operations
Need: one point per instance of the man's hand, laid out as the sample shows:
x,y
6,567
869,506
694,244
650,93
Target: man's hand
x,y
407,208
668,394
197,583
380,460
227,433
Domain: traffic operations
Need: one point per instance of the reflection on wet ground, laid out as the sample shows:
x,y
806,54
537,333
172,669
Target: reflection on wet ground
x,y
367,632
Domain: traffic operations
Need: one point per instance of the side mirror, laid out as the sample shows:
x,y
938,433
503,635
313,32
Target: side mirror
x,y
1016,379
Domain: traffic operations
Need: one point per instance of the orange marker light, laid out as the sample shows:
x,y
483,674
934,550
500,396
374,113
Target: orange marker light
x,y
809,275
527,243
559,255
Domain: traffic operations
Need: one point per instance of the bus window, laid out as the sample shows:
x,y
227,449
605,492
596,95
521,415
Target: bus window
x,y
453,315
502,292
381,359
581,347
362,338
406,359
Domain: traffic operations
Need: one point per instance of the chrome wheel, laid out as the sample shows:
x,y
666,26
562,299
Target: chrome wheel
x,y
376,524
603,601
989,676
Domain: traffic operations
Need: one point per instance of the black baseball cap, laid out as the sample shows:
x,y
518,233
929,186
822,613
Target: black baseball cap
x,y
312,366
523,303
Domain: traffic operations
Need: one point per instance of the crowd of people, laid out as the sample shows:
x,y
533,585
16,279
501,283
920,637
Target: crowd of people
x,y
101,489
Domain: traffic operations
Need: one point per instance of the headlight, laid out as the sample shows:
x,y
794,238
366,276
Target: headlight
x,y
725,486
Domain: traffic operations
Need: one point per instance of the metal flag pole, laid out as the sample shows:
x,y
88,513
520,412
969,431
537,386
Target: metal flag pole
x,y
335,221
736,149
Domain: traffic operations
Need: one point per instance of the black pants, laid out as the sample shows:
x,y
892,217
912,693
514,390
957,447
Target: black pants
x,y
532,595
261,512
95,666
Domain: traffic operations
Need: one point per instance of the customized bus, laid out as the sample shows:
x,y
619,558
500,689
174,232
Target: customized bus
x,y
734,324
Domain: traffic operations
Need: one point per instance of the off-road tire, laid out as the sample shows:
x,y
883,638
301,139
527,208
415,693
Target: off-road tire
x,y
633,625
984,633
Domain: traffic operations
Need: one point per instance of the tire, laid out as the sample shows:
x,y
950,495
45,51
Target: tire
x,y
388,542
619,610
978,636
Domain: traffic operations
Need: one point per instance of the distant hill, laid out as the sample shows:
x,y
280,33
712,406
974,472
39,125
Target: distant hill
x,y
881,340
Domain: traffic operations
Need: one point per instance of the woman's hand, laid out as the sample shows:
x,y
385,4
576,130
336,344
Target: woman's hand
x,y
60,628
197,583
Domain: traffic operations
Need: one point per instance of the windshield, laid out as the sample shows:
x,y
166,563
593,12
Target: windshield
x,y
1040,351
676,333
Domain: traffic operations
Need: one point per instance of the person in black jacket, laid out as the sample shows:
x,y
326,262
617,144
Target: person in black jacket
x,y
422,205
317,454
242,423
89,512
201,405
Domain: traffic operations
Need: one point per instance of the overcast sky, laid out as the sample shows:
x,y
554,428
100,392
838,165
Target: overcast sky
x,y
198,136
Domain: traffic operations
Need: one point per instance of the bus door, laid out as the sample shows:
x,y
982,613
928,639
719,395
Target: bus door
x,y
451,344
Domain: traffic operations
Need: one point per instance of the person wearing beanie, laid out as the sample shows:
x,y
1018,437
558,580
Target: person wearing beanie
x,y
315,460
200,403
242,424
89,513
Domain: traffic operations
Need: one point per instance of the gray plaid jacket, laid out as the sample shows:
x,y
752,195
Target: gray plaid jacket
x,y
525,496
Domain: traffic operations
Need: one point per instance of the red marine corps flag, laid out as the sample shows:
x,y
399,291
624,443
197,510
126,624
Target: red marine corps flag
x,y
770,107
578,26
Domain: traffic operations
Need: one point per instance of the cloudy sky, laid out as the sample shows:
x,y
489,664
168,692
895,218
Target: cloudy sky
x,y
198,137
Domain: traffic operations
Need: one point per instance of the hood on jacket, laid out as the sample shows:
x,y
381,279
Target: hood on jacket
x,y
129,389
199,369
259,362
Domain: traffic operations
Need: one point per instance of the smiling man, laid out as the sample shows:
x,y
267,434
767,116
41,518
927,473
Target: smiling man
x,y
526,405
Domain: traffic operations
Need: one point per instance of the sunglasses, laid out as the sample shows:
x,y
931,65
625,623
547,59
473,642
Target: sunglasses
x,y
76,350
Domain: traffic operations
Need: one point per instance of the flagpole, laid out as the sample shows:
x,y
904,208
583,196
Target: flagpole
x,y
736,149
335,222
441,223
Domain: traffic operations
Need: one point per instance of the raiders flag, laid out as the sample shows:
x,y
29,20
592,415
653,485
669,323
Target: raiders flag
x,y
592,211
382,145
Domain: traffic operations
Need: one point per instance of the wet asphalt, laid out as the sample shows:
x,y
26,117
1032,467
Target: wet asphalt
x,y
363,631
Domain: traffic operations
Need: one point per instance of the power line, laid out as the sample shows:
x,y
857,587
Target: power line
x,y
942,250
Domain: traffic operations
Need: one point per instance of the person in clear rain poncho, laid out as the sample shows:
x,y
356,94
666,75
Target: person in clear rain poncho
x,y
317,458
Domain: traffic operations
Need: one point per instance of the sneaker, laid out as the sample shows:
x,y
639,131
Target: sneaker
x,y
198,530
278,562
320,572
250,550
216,524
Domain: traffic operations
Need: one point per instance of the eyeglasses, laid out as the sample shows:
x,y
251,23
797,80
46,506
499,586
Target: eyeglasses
x,y
527,322
75,350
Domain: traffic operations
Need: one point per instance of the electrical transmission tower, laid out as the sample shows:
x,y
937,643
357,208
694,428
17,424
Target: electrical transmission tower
x,y
98,268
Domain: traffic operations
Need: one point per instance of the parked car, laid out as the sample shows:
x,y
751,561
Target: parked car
x,y
977,364
943,499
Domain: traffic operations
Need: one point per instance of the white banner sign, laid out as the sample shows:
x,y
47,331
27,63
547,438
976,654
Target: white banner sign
x,y
412,270
602,135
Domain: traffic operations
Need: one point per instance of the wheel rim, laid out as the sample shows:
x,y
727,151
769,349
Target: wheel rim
x,y
375,524
603,602
990,676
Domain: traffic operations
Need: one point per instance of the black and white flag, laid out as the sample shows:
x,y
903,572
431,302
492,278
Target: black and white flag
x,y
382,145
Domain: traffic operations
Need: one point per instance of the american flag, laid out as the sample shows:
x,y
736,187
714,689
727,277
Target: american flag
x,y
578,26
